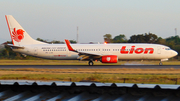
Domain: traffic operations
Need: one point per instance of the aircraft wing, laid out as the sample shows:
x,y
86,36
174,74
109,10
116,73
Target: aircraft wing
x,y
83,55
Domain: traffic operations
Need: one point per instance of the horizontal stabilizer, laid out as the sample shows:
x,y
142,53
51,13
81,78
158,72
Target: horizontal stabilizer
x,y
15,47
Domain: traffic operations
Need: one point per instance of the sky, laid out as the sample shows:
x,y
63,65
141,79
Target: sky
x,y
58,19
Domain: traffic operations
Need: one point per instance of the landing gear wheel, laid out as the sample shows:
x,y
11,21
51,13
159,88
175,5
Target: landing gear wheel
x,y
91,63
160,64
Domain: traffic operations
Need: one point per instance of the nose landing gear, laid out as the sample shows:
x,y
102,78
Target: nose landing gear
x,y
160,63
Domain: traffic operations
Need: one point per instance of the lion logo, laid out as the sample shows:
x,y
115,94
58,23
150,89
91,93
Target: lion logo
x,y
18,35
108,58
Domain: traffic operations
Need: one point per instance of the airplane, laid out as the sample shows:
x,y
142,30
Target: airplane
x,y
105,53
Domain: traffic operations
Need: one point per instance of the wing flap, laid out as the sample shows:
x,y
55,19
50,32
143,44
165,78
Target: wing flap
x,y
84,58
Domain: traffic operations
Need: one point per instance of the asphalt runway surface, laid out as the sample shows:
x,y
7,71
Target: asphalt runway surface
x,y
89,67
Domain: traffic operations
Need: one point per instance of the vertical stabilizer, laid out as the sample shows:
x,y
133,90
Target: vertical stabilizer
x,y
18,35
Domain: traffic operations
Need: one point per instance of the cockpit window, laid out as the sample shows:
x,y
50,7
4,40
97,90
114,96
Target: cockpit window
x,y
167,49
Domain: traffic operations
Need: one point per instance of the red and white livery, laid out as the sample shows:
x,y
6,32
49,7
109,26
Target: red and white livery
x,y
106,53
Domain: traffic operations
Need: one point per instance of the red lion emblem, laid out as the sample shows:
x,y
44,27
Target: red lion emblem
x,y
17,35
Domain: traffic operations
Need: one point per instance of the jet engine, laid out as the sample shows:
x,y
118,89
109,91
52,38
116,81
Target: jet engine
x,y
109,59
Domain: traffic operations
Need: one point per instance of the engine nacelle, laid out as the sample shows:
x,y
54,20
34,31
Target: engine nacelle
x,y
109,59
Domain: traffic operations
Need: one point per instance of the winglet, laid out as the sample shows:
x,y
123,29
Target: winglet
x,y
68,45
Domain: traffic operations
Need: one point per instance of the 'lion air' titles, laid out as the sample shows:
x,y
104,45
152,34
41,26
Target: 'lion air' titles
x,y
137,50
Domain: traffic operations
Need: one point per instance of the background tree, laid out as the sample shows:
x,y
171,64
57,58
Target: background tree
x,y
7,53
108,38
143,38
39,39
72,41
174,43
137,39
175,39
161,41
50,42
150,38
56,42
120,39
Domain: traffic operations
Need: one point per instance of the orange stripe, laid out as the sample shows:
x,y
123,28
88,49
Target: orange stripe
x,y
9,29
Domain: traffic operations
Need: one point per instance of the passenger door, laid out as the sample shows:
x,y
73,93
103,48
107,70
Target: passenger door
x,y
159,50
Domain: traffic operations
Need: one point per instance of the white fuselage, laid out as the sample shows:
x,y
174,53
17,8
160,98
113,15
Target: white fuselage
x,y
123,51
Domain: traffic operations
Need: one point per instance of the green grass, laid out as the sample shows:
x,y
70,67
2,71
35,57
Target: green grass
x,y
116,78
98,75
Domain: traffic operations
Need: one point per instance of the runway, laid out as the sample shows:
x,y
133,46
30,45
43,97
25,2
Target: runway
x,y
89,67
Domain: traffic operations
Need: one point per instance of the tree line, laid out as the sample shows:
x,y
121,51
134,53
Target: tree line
x,y
173,42
140,38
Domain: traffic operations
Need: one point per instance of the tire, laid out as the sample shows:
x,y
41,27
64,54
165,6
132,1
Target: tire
x,y
91,63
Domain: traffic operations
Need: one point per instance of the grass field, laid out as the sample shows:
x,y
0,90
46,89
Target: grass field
x,y
120,75
160,76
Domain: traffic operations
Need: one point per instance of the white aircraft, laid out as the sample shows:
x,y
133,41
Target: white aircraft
x,y
106,53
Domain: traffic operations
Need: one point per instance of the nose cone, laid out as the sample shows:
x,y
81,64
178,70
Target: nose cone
x,y
174,53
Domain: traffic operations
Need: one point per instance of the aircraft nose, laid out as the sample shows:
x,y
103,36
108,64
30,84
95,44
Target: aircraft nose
x,y
174,53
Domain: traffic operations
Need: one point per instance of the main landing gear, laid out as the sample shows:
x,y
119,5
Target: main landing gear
x,y
91,63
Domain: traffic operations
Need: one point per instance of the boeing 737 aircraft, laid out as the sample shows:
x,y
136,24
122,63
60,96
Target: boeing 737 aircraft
x,y
106,53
